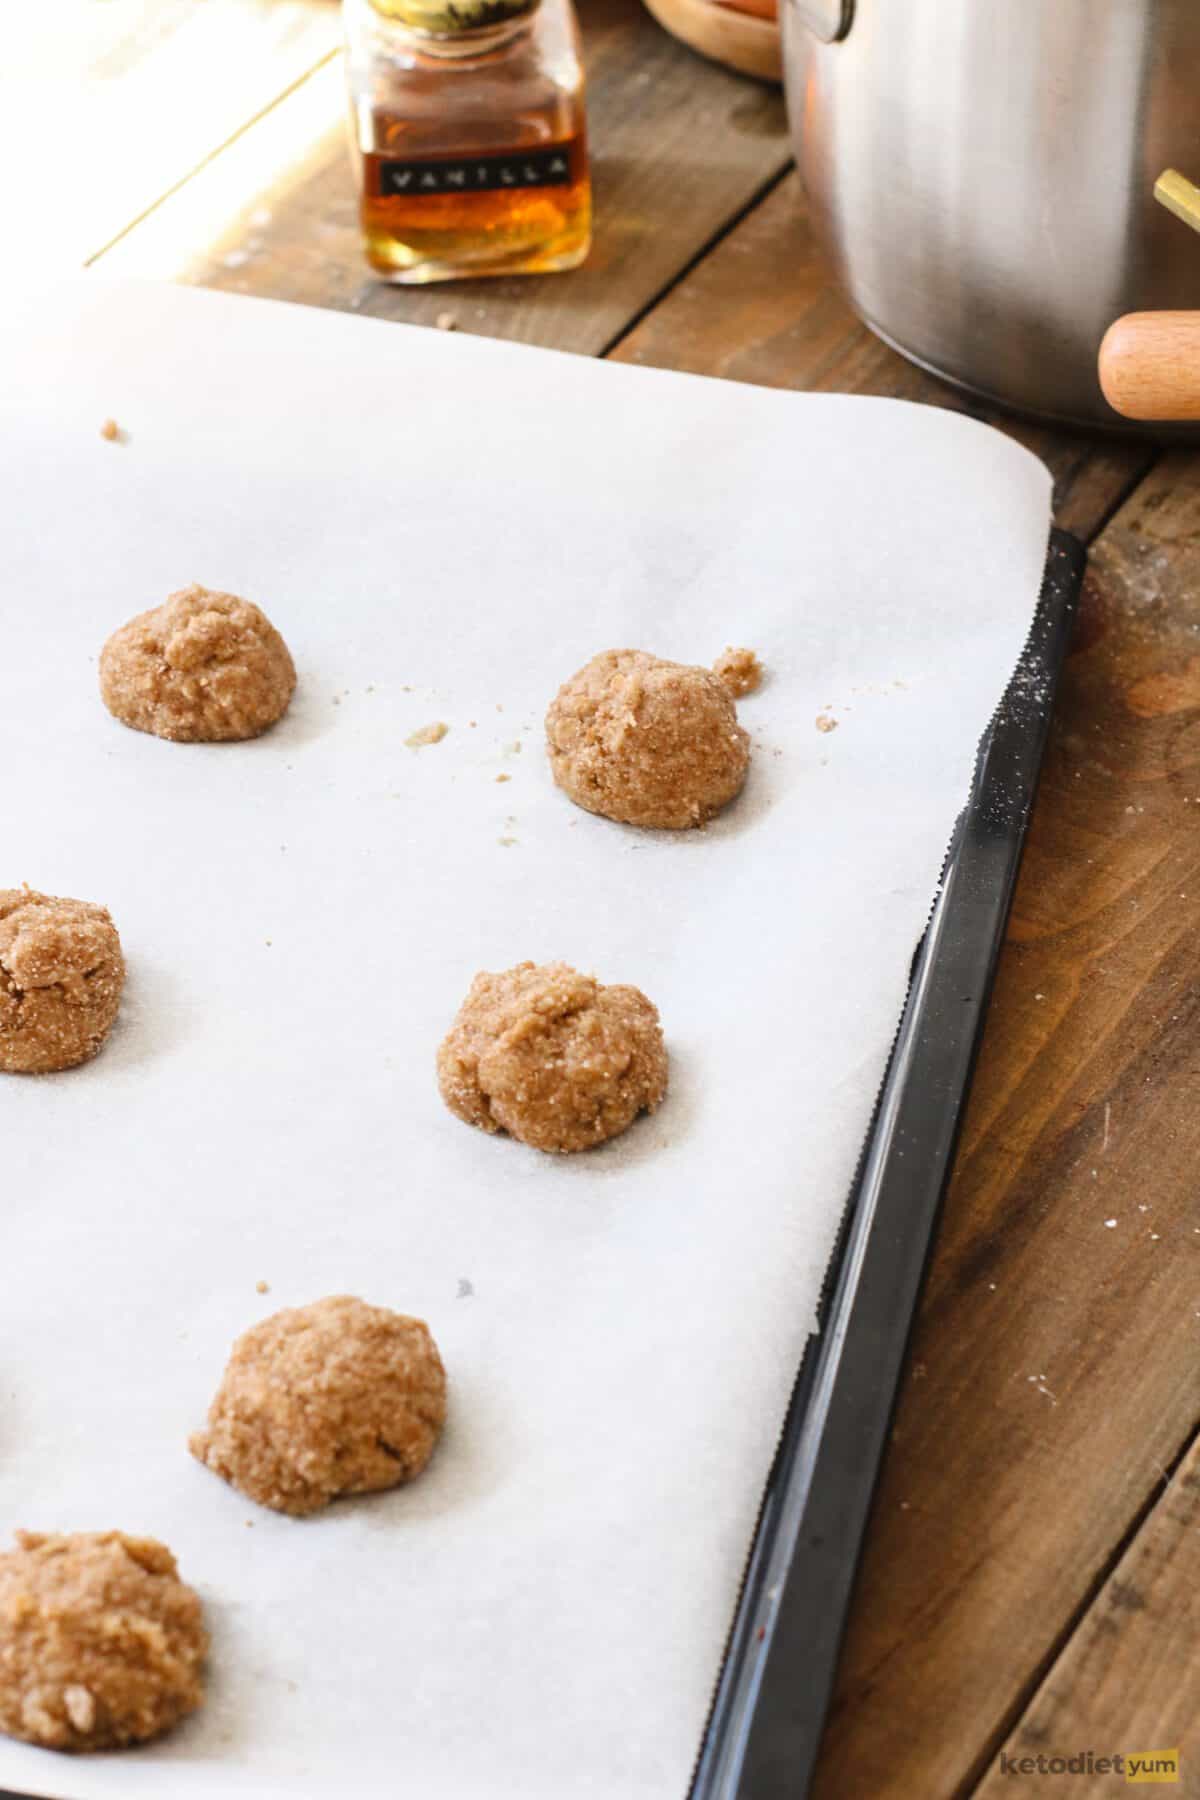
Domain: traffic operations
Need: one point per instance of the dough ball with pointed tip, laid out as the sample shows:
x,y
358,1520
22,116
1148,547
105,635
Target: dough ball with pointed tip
x,y
201,668
647,742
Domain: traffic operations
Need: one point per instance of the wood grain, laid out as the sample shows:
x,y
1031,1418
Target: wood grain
x,y
1055,1369
120,102
1126,1681
1150,365
679,147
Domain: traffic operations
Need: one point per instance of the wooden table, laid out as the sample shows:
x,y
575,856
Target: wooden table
x,y
1032,1567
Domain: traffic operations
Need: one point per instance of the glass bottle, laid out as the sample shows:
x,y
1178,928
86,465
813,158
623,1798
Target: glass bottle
x,y
468,123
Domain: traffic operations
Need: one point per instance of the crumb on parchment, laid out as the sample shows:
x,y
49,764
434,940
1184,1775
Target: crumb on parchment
x,y
110,431
428,734
826,723
740,670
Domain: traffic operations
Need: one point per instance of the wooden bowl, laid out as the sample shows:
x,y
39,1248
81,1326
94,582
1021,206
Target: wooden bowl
x,y
739,39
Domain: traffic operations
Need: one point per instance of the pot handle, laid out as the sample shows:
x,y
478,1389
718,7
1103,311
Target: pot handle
x,y
1150,365
828,20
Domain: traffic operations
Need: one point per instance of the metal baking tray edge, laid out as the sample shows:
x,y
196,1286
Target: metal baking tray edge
x,y
763,1738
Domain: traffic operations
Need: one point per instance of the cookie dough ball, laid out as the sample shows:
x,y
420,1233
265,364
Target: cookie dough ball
x,y
552,1057
647,742
201,668
334,1398
740,670
101,1643
61,975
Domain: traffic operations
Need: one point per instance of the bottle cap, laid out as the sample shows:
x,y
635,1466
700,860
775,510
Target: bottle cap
x,y
452,18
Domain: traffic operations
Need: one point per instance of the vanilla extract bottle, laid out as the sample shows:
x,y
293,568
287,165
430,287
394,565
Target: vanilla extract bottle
x,y
468,124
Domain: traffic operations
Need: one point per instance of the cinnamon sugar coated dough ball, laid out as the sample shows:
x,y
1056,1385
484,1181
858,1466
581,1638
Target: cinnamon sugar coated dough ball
x,y
202,668
101,1643
334,1398
740,670
552,1057
61,975
647,742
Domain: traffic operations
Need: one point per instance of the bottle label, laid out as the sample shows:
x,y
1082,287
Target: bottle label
x,y
474,174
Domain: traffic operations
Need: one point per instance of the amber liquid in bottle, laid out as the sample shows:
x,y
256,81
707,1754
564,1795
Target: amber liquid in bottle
x,y
468,119
487,213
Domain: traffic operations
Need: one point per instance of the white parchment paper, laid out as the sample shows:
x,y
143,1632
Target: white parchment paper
x,y
445,528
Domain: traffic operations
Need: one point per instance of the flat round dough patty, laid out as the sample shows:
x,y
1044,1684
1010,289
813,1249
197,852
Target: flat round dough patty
x,y
317,1401
201,668
552,1057
61,975
101,1643
647,742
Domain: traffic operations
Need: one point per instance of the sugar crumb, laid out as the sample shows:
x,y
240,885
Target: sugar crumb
x,y
826,723
739,670
428,734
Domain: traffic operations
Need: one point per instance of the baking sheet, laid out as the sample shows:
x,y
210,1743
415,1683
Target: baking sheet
x,y
765,1732
443,528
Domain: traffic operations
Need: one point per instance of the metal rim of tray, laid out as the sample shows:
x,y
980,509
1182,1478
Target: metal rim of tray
x,y
764,1733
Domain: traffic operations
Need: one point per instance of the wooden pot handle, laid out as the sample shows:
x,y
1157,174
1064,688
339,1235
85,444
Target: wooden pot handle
x,y
1150,365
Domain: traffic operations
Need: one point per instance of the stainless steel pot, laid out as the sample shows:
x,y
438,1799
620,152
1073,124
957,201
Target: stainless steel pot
x,y
982,173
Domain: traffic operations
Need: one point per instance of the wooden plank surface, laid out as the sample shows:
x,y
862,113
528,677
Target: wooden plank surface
x,y
116,103
1055,1370
679,147
1126,1682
